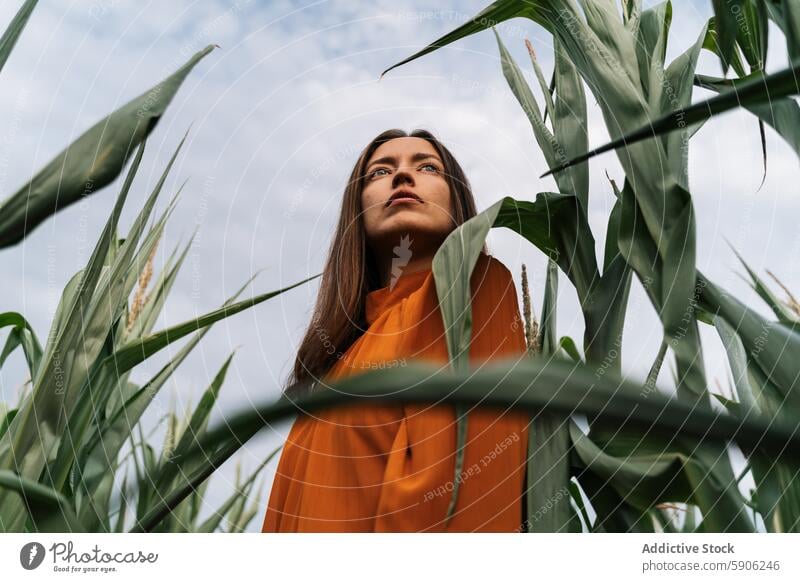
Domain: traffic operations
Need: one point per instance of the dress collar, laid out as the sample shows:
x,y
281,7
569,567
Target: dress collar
x,y
379,300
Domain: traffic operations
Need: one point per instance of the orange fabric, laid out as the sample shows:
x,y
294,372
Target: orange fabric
x,y
378,468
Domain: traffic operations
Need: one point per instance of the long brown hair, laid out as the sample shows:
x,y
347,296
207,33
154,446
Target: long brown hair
x,y
351,271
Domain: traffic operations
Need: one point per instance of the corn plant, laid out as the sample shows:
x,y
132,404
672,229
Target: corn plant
x,y
63,444
644,453
60,446
93,160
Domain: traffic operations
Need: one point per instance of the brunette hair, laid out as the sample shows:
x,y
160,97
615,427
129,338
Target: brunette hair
x,y
351,271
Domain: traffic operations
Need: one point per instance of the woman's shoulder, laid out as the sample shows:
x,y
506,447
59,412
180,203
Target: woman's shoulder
x,y
491,267
496,318
491,281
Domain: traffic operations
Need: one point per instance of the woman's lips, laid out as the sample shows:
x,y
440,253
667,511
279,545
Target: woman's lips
x,y
404,200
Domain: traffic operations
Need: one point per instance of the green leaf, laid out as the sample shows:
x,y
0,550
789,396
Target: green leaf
x,y
497,12
737,360
136,351
457,256
791,18
571,125
11,35
758,90
221,450
76,284
547,328
568,345
712,44
777,486
5,422
562,388
102,446
613,514
123,506
211,524
534,384
677,86
660,278
556,224
196,426
783,313
64,334
452,270
37,430
516,81
548,473
769,344
783,114
575,494
568,115
49,511
644,480
21,334
655,368
751,34
725,20
92,161
604,311
651,46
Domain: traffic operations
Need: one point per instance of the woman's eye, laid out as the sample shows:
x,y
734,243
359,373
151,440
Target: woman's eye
x,y
375,172
431,166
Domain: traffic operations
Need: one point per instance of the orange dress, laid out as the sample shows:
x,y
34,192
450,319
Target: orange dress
x,y
390,467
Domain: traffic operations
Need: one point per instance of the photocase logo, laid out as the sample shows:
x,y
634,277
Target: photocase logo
x,y
402,253
31,555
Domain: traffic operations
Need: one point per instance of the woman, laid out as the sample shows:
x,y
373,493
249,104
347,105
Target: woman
x,y
375,467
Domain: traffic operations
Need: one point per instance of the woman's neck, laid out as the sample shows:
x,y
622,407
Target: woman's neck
x,y
397,266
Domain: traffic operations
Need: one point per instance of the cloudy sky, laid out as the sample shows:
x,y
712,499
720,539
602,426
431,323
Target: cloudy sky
x,y
278,115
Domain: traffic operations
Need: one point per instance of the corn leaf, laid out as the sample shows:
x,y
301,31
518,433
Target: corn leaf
x,y
758,90
49,511
92,161
12,33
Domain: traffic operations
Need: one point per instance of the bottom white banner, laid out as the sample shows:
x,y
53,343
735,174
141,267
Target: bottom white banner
x,y
390,557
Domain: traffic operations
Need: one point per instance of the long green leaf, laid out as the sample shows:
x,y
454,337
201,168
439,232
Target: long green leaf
x,y
493,14
196,426
782,114
102,446
36,432
21,334
136,351
547,492
11,35
211,524
725,12
532,385
49,511
759,90
771,345
457,256
75,299
644,480
92,161
548,332
604,311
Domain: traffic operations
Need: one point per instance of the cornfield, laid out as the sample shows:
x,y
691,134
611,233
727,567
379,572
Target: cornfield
x,y
629,455
645,456
75,434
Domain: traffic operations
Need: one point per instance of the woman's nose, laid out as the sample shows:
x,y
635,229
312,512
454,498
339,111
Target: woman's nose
x,y
401,176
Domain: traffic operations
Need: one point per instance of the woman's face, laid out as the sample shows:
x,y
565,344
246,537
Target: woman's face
x,y
406,193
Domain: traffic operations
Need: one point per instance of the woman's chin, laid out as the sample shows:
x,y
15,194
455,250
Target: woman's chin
x,y
415,229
